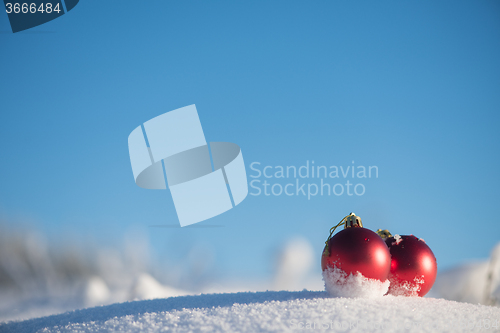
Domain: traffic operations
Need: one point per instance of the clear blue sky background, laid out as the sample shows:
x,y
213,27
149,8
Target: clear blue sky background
x,y
412,87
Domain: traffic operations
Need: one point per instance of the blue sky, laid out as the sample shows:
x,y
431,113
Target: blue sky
x,y
411,87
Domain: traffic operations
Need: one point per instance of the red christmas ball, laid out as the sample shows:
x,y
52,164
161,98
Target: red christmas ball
x,y
413,266
358,249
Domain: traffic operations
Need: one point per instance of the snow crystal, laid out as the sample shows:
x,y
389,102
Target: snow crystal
x,y
398,239
339,284
406,289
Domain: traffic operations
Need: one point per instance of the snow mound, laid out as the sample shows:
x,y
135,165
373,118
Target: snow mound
x,y
465,283
294,264
271,312
147,287
339,284
96,291
473,282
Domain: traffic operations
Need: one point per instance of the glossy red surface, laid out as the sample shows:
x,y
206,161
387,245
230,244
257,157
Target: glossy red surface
x,y
411,259
358,250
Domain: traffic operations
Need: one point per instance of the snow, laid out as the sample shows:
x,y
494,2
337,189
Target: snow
x,y
270,312
146,287
339,284
465,283
96,291
113,289
473,282
407,289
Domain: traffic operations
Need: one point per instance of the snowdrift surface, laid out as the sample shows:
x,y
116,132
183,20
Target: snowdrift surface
x,y
272,311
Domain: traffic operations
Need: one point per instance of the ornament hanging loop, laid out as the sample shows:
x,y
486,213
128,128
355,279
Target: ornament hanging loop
x,y
349,221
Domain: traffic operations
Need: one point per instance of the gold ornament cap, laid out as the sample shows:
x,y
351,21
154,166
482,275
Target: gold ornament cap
x,y
353,221
384,233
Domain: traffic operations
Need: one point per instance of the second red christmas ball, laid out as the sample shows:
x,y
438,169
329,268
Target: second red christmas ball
x,y
413,266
